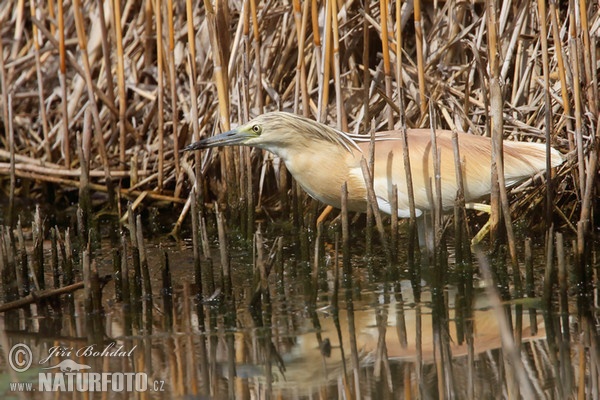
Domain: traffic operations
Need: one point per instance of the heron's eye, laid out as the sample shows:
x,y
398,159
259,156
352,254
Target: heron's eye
x,y
256,129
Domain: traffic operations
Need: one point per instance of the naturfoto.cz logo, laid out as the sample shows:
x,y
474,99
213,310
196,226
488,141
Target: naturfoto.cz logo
x,y
67,375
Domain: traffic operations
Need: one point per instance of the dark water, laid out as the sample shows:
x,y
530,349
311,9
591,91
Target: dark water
x,y
299,335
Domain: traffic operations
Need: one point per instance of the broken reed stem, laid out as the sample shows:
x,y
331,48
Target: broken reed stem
x,y
147,286
167,292
412,221
460,217
549,275
38,250
530,285
394,222
196,246
437,199
83,149
316,262
135,275
345,234
40,295
8,264
563,288
54,258
224,251
370,211
124,273
336,272
23,265
372,200
87,281
118,274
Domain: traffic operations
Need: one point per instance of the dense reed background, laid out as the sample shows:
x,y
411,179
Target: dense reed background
x,y
123,87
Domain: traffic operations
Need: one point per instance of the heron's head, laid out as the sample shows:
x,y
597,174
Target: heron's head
x,y
276,132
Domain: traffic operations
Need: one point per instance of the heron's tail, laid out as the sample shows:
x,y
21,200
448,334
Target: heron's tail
x,y
523,159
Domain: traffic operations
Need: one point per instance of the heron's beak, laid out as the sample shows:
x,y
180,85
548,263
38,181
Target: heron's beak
x,y
232,137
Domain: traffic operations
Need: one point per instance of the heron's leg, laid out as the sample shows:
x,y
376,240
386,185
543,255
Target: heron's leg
x,y
479,207
425,233
324,214
486,228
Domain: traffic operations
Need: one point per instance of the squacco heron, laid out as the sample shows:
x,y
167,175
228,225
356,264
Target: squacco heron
x,y
321,159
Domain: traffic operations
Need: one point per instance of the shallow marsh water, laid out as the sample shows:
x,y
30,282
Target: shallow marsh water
x,y
295,335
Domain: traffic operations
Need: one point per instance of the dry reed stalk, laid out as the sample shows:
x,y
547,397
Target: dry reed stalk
x,y
107,67
398,50
384,7
366,118
82,38
120,80
420,60
160,92
220,74
394,221
195,195
496,126
40,295
437,197
460,213
412,221
196,246
66,146
317,52
141,246
301,19
342,122
381,354
173,85
40,80
244,78
584,29
372,200
12,170
564,86
326,66
257,57
548,108
224,252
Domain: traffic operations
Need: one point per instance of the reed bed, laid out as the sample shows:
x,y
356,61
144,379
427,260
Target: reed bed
x,y
168,73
